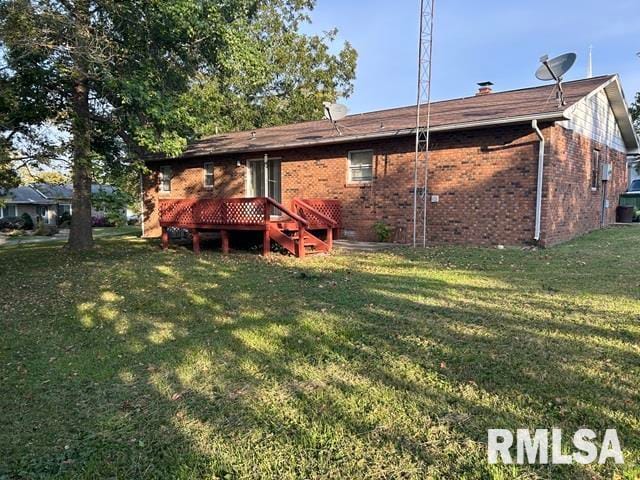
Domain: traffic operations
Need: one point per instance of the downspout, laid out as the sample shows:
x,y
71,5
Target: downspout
x,y
534,125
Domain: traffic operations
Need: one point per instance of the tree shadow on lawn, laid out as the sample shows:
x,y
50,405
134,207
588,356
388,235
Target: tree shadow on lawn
x,y
179,366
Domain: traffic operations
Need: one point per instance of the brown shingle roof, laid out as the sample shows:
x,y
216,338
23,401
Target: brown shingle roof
x,y
499,107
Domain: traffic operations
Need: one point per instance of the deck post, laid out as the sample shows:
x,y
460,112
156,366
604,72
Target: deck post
x,y
165,238
300,250
224,235
330,238
195,234
266,242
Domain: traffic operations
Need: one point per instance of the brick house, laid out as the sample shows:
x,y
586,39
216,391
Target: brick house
x,y
483,167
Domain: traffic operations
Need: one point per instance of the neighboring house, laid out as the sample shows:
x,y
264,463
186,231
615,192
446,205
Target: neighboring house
x,y
634,170
482,169
44,201
27,200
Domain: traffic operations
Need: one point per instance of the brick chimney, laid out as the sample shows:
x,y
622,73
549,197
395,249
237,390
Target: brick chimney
x,y
485,88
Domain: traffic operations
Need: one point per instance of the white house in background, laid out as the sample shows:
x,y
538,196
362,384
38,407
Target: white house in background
x,y
43,200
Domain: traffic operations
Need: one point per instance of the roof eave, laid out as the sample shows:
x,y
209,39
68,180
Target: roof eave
x,y
613,90
549,116
27,202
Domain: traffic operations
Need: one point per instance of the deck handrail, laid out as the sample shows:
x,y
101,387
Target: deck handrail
x,y
259,216
315,211
288,212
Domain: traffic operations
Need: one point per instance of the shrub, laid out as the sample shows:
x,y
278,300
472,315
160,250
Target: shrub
x,y
383,231
65,218
100,222
636,215
28,221
113,204
116,218
11,223
44,230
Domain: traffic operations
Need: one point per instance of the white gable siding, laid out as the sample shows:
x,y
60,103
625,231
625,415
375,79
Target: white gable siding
x,y
594,118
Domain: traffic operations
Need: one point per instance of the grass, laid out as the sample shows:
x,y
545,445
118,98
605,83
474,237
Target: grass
x,y
130,362
98,232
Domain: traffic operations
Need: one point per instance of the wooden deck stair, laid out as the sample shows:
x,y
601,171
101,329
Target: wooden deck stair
x,y
289,239
306,228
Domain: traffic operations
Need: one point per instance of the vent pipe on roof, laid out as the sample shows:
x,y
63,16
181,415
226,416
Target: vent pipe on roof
x,y
485,88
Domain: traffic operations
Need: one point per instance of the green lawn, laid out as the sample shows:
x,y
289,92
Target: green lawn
x,y
62,236
130,362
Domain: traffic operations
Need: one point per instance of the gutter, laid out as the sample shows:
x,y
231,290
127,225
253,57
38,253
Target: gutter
x,y
534,125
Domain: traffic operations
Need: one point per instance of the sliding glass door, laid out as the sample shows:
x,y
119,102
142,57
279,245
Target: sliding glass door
x,y
264,178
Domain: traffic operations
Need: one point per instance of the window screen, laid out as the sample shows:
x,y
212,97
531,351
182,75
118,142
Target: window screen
x,y
208,175
165,179
361,166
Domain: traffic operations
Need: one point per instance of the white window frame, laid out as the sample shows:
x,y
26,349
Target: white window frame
x,y
45,216
161,177
206,174
15,210
350,168
66,205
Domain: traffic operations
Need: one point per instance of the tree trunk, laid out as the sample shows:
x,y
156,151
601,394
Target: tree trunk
x,y
80,235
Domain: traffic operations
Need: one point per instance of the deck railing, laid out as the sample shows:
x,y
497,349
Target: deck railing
x,y
292,229
319,212
201,213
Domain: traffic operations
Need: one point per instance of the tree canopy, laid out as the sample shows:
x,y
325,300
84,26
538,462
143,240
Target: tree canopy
x,y
634,109
101,83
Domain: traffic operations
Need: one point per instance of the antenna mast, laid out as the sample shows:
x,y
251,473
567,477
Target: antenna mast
x,y
423,117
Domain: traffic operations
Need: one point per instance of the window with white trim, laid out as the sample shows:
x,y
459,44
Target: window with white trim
x,y
9,211
64,208
208,175
360,166
165,179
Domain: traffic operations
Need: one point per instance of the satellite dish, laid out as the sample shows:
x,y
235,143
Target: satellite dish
x,y
555,68
334,111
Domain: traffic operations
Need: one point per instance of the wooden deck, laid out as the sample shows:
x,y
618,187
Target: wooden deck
x,y
307,227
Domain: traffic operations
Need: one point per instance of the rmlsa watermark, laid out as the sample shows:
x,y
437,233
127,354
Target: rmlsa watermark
x,y
545,447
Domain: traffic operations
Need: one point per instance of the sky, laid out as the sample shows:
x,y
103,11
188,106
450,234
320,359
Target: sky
x,y
474,40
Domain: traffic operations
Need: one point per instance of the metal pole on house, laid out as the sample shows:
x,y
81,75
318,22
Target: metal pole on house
x,y
425,51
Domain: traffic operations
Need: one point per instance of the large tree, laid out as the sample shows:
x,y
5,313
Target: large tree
x,y
101,83
635,113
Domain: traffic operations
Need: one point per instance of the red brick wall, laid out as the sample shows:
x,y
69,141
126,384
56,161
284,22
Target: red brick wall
x,y
188,181
486,183
570,206
485,180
